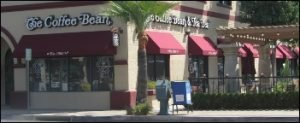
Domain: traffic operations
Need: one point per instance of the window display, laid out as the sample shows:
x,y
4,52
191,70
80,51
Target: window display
x,y
72,74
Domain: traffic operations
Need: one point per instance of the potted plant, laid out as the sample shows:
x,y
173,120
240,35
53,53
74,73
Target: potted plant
x,y
86,86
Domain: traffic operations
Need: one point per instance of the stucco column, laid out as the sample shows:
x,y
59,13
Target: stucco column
x,y
213,73
232,67
265,65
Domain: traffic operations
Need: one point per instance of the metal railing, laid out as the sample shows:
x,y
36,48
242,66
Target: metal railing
x,y
260,84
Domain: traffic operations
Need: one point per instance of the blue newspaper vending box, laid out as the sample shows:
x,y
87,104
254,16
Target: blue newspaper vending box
x,y
181,92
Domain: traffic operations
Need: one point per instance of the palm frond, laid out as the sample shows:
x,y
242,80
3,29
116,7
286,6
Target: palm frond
x,y
138,11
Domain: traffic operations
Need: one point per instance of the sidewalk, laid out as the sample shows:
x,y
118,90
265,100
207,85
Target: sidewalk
x,y
182,116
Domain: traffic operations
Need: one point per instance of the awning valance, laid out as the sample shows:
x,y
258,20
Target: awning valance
x,y
199,45
67,44
248,50
287,52
279,54
163,43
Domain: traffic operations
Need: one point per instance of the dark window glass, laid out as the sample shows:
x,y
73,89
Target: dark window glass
x,y
158,67
72,74
77,74
198,66
279,66
294,67
39,75
225,2
151,67
103,73
58,73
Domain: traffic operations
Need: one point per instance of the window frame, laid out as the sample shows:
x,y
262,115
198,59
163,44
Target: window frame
x,y
222,4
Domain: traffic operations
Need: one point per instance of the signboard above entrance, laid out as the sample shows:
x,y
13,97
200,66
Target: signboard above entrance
x,y
188,21
65,20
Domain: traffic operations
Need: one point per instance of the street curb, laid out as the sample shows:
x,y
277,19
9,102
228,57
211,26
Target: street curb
x,y
169,118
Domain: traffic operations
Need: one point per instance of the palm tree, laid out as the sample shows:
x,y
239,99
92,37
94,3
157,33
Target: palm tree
x,y
138,12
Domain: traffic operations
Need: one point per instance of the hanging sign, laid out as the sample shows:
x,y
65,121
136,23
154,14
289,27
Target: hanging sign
x,y
28,54
116,39
66,20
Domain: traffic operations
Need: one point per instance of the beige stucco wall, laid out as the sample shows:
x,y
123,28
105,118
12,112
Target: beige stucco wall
x,y
9,3
132,57
70,100
20,79
5,39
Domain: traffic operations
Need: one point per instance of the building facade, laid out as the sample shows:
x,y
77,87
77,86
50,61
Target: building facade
x,y
78,63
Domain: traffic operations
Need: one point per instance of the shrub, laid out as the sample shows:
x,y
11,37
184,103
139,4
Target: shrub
x,y
141,109
151,84
287,100
86,86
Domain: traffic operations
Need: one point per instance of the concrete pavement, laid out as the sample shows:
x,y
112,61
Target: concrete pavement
x,y
182,116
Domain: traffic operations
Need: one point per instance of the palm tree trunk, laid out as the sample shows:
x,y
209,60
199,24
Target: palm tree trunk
x,y
142,69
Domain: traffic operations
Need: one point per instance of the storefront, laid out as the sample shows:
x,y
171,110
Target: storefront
x,y
285,56
247,55
267,53
79,63
200,49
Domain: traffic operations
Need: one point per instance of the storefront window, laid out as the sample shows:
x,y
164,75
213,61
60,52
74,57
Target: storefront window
x,y
77,74
158,67
294,67
58,73
102,73
151,67
72,74
39,75
279,66
292,63
199,66
198,69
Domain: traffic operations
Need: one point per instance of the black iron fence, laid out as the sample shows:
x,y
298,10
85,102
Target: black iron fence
x,y
245,84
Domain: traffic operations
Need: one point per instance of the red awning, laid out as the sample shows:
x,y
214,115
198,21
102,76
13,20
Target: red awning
x,y
287,52
296,50
248,49
242,52
67,44
163,43
199,45
252,49
279,54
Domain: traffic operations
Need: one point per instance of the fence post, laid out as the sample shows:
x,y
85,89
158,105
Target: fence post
x,y
262,75
226,84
